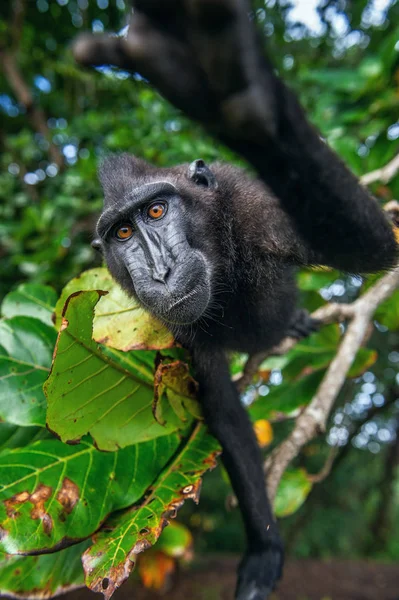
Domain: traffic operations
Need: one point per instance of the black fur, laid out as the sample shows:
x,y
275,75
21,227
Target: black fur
x,y
227,250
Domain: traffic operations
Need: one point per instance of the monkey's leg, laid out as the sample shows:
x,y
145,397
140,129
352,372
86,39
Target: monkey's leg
x,y
229,422
302,324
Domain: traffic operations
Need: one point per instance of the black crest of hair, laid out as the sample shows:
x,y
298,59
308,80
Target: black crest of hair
x,y
218,268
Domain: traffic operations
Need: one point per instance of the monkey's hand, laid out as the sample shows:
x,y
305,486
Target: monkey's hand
x,y
258,573
203,56
302,325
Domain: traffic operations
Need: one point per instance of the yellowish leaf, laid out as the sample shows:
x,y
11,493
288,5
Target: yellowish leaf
x,y
263,432
156,570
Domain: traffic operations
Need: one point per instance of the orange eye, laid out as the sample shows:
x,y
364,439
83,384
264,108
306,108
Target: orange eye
x,y
156,211
124,232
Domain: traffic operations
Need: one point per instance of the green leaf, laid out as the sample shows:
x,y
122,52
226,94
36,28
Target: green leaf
x,y
310,354
53,495
42,576
120,322
324,340
174,386
25,357
292,492
315,279
98,390
109,561
341,80
365,358
14,436
388,312
31,300
286,398
175,540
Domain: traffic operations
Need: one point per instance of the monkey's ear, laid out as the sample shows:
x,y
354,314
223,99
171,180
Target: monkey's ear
x,y
201,174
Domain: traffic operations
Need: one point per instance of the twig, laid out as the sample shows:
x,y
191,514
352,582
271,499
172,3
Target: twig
x,y
314,417
326,469
385,174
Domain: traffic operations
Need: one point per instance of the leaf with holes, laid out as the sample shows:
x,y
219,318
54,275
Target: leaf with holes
x,y
25,357
30,300
174,386
120,322
53,495
43,576
101,391
109,561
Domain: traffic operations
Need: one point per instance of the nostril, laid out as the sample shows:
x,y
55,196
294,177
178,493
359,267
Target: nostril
x,y
160,274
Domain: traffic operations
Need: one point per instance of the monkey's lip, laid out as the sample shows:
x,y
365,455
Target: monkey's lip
x,y
183,299
187,309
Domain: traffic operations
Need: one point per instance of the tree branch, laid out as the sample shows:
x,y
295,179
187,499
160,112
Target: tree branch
x,y
385,174
314,417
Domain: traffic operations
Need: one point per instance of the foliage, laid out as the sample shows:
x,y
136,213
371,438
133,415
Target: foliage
x,y
54,495
138,405
100,385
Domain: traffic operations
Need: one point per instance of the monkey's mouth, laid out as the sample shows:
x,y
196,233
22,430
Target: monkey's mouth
x,y
187,309
186,297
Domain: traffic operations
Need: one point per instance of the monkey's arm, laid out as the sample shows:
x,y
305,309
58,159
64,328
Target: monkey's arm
x,y
204,57
229,422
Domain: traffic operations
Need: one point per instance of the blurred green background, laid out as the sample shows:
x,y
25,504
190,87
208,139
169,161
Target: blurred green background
x,y
57,120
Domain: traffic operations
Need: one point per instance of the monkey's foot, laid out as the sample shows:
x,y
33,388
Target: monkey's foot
x,y
302,325
258,573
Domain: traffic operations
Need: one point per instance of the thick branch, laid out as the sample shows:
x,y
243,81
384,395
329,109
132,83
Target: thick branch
x,y
314,417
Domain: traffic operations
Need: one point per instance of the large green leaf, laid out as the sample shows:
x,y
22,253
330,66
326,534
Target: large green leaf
x,y
286,398
119,322
109,561
25,357
52,494
101,391
292,492
42,576
31,300
14,436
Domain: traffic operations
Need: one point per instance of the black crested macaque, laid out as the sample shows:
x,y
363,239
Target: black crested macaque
x,y
212,252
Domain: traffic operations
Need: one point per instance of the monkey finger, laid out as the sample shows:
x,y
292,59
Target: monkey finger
x,y
95,50
223,40
170,65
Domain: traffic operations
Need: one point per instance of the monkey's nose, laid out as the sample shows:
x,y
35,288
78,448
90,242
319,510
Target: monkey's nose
x,y
160,273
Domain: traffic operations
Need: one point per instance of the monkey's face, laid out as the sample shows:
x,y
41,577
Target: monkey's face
x,y
147,242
